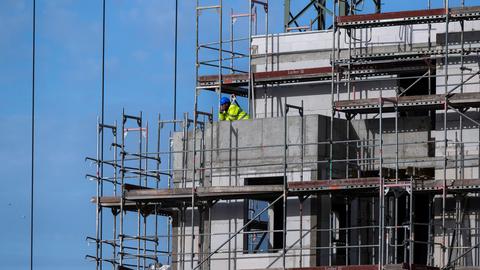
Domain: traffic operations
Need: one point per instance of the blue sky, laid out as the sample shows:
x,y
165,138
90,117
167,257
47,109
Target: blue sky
x,y
139,72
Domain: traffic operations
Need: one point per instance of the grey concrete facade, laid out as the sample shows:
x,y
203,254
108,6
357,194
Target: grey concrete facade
x,y
254,149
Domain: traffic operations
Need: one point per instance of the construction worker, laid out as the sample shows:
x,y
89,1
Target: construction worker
x,y
230,110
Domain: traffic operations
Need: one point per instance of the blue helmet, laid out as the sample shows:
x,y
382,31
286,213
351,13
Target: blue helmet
x,y
224,100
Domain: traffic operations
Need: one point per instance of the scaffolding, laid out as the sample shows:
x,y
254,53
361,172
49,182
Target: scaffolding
x,y
409,215
347,70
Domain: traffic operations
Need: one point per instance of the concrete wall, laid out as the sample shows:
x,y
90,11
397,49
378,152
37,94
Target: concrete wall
x,y
313,49
462,212
316,98
459,129
245,148
254,148
250,144
260,142
413,140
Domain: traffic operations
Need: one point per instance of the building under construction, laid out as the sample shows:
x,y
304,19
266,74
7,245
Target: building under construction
x,y
362,151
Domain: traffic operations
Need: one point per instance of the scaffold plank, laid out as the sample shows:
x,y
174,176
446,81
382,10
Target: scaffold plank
x,y
334,267
133,187
462,185
333,185
236,83
362,267
114,202
414,55
174,197
205,193
408,17
281,76
420,102
396,17
292,74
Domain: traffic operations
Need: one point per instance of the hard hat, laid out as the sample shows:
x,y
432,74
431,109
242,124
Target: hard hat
x,y
224,100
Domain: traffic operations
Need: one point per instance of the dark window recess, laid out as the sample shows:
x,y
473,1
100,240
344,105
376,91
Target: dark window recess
x,y
264,234
409,86
422,216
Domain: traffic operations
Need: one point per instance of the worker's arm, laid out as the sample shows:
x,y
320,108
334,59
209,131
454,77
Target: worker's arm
x,y
243,116
221,116
237,113
234,110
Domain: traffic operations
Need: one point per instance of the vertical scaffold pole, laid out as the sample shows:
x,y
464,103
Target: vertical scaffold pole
x,y
251,102
411,225
192,211
462,70
139,211
157,185
220,53
332,89
115,183
195,108
97,205
445,158
232,54
285,149
332,118
266,7
381,203
175,69
285,181
230,129
145,214
122,182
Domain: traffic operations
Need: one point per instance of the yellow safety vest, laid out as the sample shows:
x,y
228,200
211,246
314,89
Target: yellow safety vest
x,y
233,113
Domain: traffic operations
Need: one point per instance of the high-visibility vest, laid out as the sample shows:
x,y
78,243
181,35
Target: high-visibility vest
x,y
233,113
